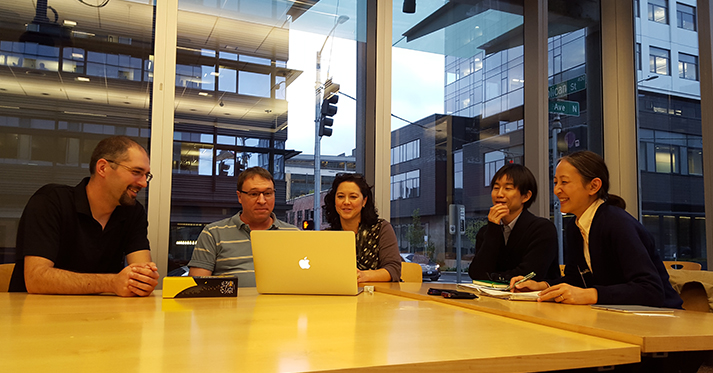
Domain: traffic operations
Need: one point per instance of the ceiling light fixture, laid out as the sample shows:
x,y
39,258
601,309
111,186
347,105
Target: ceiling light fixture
x,y
81,79
83,34
83,113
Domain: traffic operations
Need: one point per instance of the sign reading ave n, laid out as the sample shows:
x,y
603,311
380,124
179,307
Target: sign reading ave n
x,y
565,107
571,86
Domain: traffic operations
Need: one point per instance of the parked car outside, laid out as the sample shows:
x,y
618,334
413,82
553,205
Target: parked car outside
x,y
430,269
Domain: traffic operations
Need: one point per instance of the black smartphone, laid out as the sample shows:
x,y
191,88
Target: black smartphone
x,y
433,291
458,295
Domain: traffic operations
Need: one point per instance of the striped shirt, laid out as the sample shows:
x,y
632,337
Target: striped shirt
x,y
224,248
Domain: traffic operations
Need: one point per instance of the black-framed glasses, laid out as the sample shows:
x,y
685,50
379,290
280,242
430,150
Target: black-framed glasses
x,y
253,194
134,171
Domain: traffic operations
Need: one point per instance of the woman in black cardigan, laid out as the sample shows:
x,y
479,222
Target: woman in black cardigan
x,y
611,258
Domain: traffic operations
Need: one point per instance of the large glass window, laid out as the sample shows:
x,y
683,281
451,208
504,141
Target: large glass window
x,y
470,121
686,16
687,66
670,140
65,84
245,97
658,11
659,60
637,56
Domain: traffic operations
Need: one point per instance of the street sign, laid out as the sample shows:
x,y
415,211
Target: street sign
x,y
571,86
565,107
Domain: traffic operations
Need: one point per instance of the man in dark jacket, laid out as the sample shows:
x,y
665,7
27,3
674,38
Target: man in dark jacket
x,y
514,242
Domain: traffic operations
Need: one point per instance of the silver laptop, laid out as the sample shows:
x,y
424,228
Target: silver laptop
x,y
305,262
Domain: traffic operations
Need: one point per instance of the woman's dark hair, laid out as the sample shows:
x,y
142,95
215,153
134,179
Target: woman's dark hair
x,y
591,166
369,215
521,178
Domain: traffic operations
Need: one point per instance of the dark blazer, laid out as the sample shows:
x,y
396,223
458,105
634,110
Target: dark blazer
x,y
626,268
531,247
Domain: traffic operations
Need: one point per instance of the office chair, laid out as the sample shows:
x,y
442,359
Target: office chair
x,y
5,274
692,266
411,272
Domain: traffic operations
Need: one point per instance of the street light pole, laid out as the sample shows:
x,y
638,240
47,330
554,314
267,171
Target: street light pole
x,y
556,129
318,89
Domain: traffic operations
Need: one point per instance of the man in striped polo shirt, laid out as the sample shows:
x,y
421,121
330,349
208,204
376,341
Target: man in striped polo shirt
x,y
223,247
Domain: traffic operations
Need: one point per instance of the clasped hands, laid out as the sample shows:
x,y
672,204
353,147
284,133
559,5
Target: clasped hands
x,y
137,279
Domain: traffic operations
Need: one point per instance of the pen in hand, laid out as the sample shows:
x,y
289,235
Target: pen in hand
x,y
527,277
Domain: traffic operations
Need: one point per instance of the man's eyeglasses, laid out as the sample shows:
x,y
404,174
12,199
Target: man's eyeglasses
x,y
253,194
136,172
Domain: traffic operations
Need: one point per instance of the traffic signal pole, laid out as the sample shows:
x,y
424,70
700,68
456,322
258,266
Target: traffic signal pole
x,y
317,124
317,158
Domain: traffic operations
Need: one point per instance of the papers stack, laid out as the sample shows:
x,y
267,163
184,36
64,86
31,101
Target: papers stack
x,y
495,293
490,284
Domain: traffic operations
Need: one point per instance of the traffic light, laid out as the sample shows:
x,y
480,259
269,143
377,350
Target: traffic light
x,y
308,225
329,108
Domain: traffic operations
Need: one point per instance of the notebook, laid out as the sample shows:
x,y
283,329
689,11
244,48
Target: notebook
x,y
632,308
491,284
305,262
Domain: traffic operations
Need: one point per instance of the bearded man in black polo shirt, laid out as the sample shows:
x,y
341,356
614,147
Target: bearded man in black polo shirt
x,y
74,240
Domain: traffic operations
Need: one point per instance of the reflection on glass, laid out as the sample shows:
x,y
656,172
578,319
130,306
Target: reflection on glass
x,y
65,84
658,11
453,133
239,66
471,122
670,141
225,163
659,60
191,158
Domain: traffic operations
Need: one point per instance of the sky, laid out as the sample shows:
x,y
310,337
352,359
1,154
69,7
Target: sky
x,y
417,89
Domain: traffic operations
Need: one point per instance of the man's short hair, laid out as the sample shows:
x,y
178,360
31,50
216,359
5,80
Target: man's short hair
x,y
521,177
115,148
252,172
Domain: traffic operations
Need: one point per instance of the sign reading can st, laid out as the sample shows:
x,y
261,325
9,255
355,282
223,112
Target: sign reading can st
x,y
565,88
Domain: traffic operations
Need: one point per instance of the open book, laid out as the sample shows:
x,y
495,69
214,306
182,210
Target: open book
x,y
529,295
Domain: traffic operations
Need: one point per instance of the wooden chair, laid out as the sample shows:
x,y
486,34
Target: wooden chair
x,y
5,274
411,272
691,266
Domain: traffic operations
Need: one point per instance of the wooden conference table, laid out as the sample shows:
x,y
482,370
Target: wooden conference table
x,y
682,331
267,333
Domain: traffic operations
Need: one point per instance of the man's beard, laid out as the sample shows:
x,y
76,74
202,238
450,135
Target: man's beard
x,y
126,199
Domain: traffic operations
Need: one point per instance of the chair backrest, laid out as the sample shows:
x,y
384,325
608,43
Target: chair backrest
x,y
692,266
411,272
5,274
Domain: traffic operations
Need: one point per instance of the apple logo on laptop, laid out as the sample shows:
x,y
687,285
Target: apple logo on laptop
x,y
304,263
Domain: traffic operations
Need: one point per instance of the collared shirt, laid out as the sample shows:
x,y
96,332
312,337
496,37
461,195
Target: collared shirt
x,y
584,223
57,224
224,248
507,228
